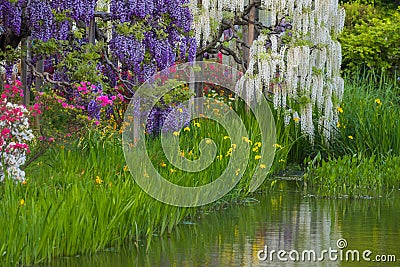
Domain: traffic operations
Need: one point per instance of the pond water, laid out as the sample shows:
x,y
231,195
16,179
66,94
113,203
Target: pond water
x,y
286,219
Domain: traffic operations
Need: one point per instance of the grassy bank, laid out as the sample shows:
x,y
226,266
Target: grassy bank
x,y
355,177
80,197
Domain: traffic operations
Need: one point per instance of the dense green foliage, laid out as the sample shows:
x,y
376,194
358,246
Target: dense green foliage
x,y
371,38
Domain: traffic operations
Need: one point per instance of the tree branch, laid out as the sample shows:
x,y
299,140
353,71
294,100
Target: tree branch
x,y
46,76
229,52
105,16
118,71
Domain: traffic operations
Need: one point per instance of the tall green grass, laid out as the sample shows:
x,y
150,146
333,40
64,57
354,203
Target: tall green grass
x,y
370,122
80,197
363,159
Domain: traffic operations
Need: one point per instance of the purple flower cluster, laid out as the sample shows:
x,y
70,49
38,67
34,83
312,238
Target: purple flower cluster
x,y
282,26
148,71
183,48
62,5
41,19
154,120
163,54
109,74
177,118
94,109
160,7
167,119
61,30
79,10
186,19
60,75
9,70
10,15
84,10
192,49
128,51
161,49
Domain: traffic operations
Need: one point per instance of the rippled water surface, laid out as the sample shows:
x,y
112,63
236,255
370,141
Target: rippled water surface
x,y
285,220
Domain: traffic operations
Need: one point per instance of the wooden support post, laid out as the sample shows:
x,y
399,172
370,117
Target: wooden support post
x,y
1,82
39,81
24,72
249,34
91,31
249,37
39,87
137,118
199,87
192,90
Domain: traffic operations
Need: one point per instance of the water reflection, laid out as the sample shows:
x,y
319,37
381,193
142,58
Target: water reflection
x,y
283,219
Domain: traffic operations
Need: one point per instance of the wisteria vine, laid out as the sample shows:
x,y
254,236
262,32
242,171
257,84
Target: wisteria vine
x,y
151,35
136,39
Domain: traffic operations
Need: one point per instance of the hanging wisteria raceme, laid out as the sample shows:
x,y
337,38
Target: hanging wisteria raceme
x,y
83,10
164,27
298,59
128,51
209,13
41,19
43,22
10,14
299,62
167,119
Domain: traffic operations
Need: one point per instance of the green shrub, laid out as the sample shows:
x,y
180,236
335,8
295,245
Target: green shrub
x,y
376,3
370,38
356,13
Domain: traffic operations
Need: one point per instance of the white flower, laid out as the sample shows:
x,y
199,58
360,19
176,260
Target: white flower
x,y
13,149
